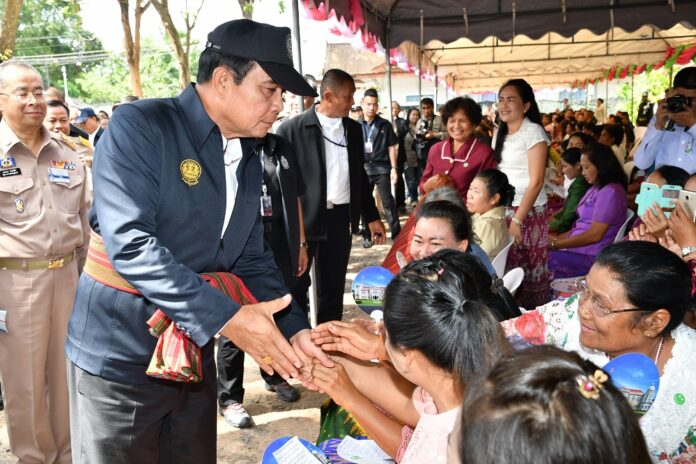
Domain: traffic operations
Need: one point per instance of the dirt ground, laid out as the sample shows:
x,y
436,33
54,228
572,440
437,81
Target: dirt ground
x,y
273,418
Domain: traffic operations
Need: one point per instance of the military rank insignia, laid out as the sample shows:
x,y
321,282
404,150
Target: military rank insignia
x,y
190,172
69,165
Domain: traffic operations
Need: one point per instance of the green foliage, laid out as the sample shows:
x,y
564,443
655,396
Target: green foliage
x,y
248,8
654,82
53,27
109,81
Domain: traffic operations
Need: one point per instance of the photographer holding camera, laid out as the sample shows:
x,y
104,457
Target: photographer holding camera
x,y
429,131
671,135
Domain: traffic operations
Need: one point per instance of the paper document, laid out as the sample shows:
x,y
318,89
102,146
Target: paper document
x,y
294,452
362,451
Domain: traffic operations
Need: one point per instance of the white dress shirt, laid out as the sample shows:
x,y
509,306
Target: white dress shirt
x,y
233,154
662,147
337,173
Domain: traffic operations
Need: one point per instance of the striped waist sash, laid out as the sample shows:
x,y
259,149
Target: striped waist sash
x,y
176,357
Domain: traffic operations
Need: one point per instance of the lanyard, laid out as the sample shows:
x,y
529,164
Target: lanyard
x,y
366,134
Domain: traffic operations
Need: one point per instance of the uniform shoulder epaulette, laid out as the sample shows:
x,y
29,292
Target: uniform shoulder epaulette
x,y
84,142
65,139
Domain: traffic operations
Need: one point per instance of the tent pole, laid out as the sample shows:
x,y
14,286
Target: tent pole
x,y
436,86
630,112
606,99
387,63
420,60
297,56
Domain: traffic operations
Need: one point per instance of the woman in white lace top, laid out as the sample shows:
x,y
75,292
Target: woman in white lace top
x,y
633,300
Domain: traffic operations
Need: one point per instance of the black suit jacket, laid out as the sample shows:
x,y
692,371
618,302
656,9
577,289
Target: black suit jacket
x,y
280,153
304,133
98,135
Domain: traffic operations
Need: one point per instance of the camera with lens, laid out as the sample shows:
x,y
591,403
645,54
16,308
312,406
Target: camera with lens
x,y
678,103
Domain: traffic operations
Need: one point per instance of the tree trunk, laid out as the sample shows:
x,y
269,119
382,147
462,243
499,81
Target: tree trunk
x,y
162,7
8,28
131,57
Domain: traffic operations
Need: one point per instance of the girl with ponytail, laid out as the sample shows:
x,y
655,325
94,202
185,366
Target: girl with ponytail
x,y
439,333
488,195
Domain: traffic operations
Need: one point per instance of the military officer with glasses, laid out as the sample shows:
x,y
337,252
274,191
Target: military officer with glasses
x,y
44,230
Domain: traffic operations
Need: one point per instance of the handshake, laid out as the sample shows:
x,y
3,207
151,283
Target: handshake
x,y
304,356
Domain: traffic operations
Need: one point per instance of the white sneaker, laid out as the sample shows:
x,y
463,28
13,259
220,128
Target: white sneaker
x,y
237,416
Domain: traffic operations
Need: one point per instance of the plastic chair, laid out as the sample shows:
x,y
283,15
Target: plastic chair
x,y
501,258
513,279
622,231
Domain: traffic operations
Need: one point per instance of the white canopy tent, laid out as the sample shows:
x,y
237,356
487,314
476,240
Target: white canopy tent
x,y
551,60
476,45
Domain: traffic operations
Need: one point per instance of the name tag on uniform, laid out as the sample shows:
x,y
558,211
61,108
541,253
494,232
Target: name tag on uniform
x,y
58,175
368,146
10,172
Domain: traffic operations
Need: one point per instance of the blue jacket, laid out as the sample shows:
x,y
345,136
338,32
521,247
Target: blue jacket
x,y
160,233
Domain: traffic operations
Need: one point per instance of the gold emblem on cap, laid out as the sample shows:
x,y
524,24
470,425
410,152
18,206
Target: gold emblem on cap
x,y
190,171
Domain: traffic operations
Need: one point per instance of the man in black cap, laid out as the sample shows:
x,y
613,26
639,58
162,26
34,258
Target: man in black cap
x,y
177,194
89,122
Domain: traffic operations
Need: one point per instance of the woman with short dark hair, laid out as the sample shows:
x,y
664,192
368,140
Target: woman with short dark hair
x,y
460,156
633,300
601,213
612,135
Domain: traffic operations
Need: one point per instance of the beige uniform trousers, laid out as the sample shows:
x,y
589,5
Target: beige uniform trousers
x,y
32,361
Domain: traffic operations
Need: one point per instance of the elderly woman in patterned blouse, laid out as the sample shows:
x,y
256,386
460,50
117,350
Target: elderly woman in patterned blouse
x,y
633,300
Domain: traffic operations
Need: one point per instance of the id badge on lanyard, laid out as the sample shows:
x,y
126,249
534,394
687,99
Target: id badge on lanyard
x,y
266,202
368,139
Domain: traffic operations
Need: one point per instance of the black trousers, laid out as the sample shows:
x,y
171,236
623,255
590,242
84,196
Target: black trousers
x,y
230,359
413,177
230,374
159,422
383,184
331,261
400,187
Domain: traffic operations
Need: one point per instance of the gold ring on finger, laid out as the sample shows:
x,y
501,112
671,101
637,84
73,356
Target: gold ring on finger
x,y
268,359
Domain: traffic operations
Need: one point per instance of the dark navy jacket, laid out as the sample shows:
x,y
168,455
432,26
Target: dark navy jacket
x,y
160,233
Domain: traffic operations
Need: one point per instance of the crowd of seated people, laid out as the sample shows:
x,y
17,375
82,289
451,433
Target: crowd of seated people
x,y
509,401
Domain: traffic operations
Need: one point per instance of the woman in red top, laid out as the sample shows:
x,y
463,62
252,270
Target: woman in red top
x,y
460,156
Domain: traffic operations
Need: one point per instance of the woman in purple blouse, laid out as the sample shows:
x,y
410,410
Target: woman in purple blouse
x,y
601,213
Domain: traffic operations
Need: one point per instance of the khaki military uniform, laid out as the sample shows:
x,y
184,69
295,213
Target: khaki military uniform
x,y
85,151
43,225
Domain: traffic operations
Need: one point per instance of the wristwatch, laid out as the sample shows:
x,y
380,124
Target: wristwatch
x,y
687,251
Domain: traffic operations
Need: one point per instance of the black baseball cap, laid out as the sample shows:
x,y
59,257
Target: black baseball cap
x,y
269,46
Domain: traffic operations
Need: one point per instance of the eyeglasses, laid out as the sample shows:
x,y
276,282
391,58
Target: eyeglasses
x,y
597,306
25,97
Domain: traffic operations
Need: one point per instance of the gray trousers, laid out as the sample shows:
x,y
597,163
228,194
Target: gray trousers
x,y
160,422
